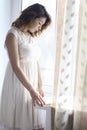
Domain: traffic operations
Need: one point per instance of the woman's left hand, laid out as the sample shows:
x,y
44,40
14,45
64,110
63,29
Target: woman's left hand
x,y
41,91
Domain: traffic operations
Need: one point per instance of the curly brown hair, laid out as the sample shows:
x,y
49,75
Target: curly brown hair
x,y
31,13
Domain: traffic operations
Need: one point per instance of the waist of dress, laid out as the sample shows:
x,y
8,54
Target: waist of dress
x,y
28,60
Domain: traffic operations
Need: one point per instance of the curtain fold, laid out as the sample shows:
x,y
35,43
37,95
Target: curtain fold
x,y
59,31
80,105
70,74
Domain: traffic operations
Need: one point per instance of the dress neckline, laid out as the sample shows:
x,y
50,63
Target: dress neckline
x,y
32,41
21,32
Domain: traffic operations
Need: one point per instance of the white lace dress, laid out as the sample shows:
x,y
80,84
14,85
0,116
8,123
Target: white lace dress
x,y
16,109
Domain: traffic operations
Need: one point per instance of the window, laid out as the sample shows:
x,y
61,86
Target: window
x,y
47,44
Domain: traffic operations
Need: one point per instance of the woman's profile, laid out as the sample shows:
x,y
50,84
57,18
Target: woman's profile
x,y
22,86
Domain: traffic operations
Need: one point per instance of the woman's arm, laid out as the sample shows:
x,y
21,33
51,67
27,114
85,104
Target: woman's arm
x,y
13,53
12,47
40,89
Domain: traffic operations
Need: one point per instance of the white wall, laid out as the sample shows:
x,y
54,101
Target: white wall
x,y
9,10
4,24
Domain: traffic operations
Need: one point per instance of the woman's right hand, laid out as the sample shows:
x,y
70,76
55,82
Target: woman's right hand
x,y
37,98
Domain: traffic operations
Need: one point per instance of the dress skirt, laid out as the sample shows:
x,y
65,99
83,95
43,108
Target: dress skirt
x,y
16,110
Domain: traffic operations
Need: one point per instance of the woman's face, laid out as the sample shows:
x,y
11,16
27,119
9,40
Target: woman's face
x,y
36,25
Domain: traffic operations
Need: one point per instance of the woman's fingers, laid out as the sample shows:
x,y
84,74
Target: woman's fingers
x,y
38,99
41,99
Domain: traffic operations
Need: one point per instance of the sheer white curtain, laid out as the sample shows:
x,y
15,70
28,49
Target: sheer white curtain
x,y
70,96
80,105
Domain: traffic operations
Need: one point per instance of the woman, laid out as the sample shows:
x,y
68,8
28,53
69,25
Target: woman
x,y
22,77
